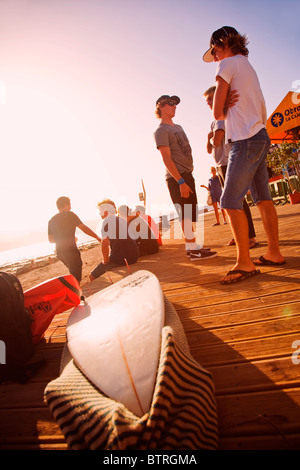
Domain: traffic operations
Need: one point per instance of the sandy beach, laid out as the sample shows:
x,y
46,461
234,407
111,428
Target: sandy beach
x,y
49,267
32,272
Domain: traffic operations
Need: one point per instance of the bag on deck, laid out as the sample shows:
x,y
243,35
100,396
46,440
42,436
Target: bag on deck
x,y
16,345
48,299
209,199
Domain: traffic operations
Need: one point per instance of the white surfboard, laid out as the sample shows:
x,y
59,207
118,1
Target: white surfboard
x,y
115,339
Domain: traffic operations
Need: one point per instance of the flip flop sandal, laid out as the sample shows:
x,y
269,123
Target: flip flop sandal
x,y
244,275
266,262
231,243
253,246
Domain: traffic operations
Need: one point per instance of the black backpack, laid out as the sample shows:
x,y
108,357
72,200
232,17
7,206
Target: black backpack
x,y
16,345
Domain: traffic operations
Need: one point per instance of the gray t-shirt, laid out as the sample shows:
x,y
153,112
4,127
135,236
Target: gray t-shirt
x,y
220,153
181,152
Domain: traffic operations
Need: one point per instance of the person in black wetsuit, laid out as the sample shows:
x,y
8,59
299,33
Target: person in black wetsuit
x,y
61,231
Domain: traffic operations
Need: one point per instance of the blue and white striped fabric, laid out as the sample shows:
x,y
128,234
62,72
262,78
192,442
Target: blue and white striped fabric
x,y
183,414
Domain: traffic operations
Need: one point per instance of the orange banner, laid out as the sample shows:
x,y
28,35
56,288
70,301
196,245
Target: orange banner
x,y
284,118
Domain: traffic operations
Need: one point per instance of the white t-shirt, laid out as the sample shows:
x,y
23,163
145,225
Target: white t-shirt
x,y
248,116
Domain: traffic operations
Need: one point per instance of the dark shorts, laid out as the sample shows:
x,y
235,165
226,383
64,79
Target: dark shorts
x,y
187,208
148,246
72,259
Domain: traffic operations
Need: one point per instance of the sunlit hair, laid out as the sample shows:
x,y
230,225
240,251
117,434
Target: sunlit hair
x,y
62,202
211,90
158,112
107,205
236,42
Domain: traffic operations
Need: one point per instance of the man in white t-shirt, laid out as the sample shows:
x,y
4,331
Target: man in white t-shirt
x,y
219,150
249,144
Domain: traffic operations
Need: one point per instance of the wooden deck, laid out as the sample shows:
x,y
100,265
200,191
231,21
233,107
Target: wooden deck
x,y
242,333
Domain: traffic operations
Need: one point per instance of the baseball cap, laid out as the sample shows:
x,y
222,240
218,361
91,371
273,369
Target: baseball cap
x,y
163,98
216,37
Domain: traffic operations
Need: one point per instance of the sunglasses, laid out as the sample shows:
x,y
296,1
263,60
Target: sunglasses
x,y
169,102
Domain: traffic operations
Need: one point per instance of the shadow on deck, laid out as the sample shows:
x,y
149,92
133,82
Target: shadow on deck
x,y
247,335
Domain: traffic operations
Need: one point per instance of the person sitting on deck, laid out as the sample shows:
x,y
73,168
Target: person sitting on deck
x,y
125,212
143,234
152,224
140,231
117,245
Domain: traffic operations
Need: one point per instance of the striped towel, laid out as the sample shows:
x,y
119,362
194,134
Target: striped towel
x,y
183,413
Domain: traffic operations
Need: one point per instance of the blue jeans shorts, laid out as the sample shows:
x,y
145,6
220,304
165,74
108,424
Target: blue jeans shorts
x,y
247,170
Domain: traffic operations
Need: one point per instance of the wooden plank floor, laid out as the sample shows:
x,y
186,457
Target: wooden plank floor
x,y
243,334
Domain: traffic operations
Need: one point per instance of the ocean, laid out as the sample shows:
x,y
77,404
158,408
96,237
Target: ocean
x,y
26,252
29,252
36,250
43,249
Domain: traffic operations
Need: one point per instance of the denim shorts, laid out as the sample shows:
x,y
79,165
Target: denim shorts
x,y
247,170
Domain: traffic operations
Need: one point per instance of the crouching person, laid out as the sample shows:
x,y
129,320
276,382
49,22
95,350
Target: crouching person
x,y
117,246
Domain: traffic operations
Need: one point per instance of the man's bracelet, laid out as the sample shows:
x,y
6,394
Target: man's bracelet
x,y
180,181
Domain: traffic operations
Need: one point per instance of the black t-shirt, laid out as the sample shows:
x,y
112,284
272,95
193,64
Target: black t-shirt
x,y
121,244
62,227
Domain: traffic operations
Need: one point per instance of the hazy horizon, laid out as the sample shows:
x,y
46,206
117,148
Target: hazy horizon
x,y
78,86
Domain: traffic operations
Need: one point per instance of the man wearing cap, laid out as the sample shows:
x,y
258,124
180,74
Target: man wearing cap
x,y
216,146
176,153
245,126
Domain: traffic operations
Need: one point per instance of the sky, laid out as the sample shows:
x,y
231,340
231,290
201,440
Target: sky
x,y
78,85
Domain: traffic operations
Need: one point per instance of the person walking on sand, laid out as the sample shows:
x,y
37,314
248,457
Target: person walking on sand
x,y
176,153
215,189
61,231
219,150
245,125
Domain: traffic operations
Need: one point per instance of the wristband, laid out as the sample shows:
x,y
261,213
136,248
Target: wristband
x,y
180,181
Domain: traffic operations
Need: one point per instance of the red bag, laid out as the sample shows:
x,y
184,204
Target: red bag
x,y
48,299
153,227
